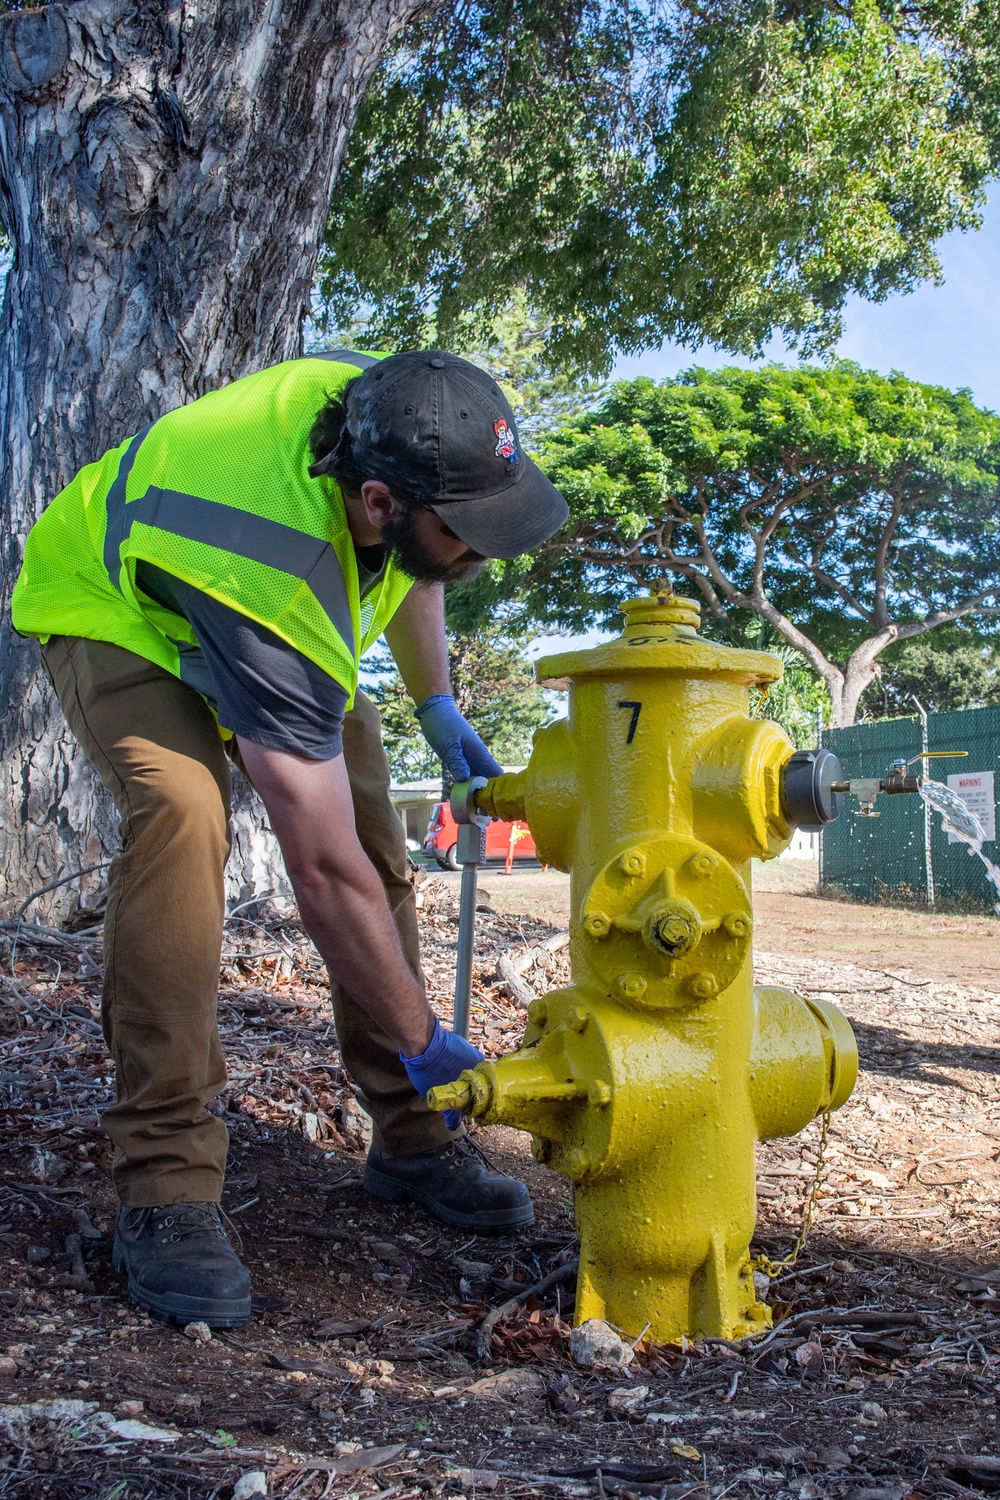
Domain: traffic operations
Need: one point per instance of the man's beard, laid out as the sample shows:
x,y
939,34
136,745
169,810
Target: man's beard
x,y
408,553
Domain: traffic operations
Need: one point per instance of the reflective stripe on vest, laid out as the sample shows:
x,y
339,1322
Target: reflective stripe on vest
x,y
241,532
347,357
238,531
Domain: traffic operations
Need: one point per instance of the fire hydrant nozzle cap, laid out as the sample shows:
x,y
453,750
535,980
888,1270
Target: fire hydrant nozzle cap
x,y
471,1093
457,1095
808,798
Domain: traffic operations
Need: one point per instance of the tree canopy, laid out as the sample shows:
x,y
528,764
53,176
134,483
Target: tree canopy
x,y
847,509
660,169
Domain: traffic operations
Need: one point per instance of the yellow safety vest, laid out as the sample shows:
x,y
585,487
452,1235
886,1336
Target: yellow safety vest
x,y
216,493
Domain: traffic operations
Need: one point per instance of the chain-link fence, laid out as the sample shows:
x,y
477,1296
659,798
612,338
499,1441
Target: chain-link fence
x,y
897,851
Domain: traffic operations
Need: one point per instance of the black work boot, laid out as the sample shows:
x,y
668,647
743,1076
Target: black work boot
x,y
456,1183
180,1264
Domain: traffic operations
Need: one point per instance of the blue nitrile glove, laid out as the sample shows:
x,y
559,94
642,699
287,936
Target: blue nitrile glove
x,y
443,1059
450,734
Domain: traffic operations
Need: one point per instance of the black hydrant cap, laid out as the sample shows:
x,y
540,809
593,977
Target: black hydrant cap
x,y
808,799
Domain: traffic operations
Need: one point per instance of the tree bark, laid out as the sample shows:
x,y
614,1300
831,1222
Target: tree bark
x,y
165,176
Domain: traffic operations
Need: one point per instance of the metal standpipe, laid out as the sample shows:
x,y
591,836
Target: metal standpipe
x,y
470,851
928,823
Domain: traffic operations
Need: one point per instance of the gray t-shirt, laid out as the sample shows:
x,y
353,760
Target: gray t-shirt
x,y
260,687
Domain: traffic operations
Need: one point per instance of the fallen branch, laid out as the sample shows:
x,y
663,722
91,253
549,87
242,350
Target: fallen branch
x,y
484,1334
868,1318
511,969
941,1268
49,937
84,1228
77,1280
522,994
350,1463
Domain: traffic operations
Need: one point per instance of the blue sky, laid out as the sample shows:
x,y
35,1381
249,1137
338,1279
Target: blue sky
x,y
948,335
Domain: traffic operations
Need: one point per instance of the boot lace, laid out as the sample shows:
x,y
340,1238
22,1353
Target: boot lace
x,y
181,1221
464,1148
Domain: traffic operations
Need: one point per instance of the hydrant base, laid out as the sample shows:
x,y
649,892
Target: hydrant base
x,y
654,1294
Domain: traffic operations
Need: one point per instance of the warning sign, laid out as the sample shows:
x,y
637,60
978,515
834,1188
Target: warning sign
x,y
976,790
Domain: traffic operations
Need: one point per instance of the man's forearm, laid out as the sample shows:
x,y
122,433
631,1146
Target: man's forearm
x,y
351,925
417,640
341,899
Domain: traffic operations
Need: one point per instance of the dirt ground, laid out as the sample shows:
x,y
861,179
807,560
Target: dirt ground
x,y
356,1375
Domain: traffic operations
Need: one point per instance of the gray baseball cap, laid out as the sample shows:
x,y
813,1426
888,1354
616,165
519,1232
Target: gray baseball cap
x,y
436,427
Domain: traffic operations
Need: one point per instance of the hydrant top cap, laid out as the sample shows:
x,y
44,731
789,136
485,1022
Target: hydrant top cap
x,y
661,609
660,635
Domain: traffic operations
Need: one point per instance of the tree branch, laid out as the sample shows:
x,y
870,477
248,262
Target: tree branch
x,y
880,613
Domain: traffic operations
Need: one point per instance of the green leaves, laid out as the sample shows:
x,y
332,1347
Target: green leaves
x,y
790,480
846,508
659,170
947,670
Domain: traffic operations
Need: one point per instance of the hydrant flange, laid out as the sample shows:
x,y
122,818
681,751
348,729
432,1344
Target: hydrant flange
x,y
684,919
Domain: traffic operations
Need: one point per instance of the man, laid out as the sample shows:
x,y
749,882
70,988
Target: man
x,y
215,581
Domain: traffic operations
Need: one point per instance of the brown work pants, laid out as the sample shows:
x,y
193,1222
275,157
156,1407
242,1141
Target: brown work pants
x,y
156,747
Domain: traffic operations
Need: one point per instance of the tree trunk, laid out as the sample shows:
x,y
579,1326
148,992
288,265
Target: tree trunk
x,y
846,687
165,176
845,684
855,684
841,713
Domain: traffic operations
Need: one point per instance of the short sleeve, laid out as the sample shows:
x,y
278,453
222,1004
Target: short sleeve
x,y
263,689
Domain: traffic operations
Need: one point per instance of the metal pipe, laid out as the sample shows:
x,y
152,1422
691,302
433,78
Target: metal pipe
x,y
469,851
819,836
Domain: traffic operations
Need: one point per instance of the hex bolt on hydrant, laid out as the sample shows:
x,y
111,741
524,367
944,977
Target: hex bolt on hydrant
x,y
649,1081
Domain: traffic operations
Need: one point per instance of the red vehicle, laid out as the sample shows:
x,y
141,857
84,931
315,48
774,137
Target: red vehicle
x,y
506,841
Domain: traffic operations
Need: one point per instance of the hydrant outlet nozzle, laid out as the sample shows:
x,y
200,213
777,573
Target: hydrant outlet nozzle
x,y
811,789
471,1093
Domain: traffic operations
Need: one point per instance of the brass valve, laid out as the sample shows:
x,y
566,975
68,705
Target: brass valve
x,y
893,784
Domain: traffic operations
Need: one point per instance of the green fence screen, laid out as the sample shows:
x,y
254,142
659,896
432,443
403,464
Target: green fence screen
x,y
872,857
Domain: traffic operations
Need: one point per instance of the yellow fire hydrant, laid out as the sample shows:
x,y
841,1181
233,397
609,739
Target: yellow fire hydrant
x,y
650,1079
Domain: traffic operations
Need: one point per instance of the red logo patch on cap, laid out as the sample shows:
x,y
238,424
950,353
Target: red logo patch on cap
x,y
506,443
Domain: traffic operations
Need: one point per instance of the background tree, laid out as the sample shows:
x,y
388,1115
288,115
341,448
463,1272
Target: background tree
x,y
517,352
847,509
952,669
494,685
800,698
709,170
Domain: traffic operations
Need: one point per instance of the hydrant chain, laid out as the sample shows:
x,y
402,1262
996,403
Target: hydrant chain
x,y
773,1268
